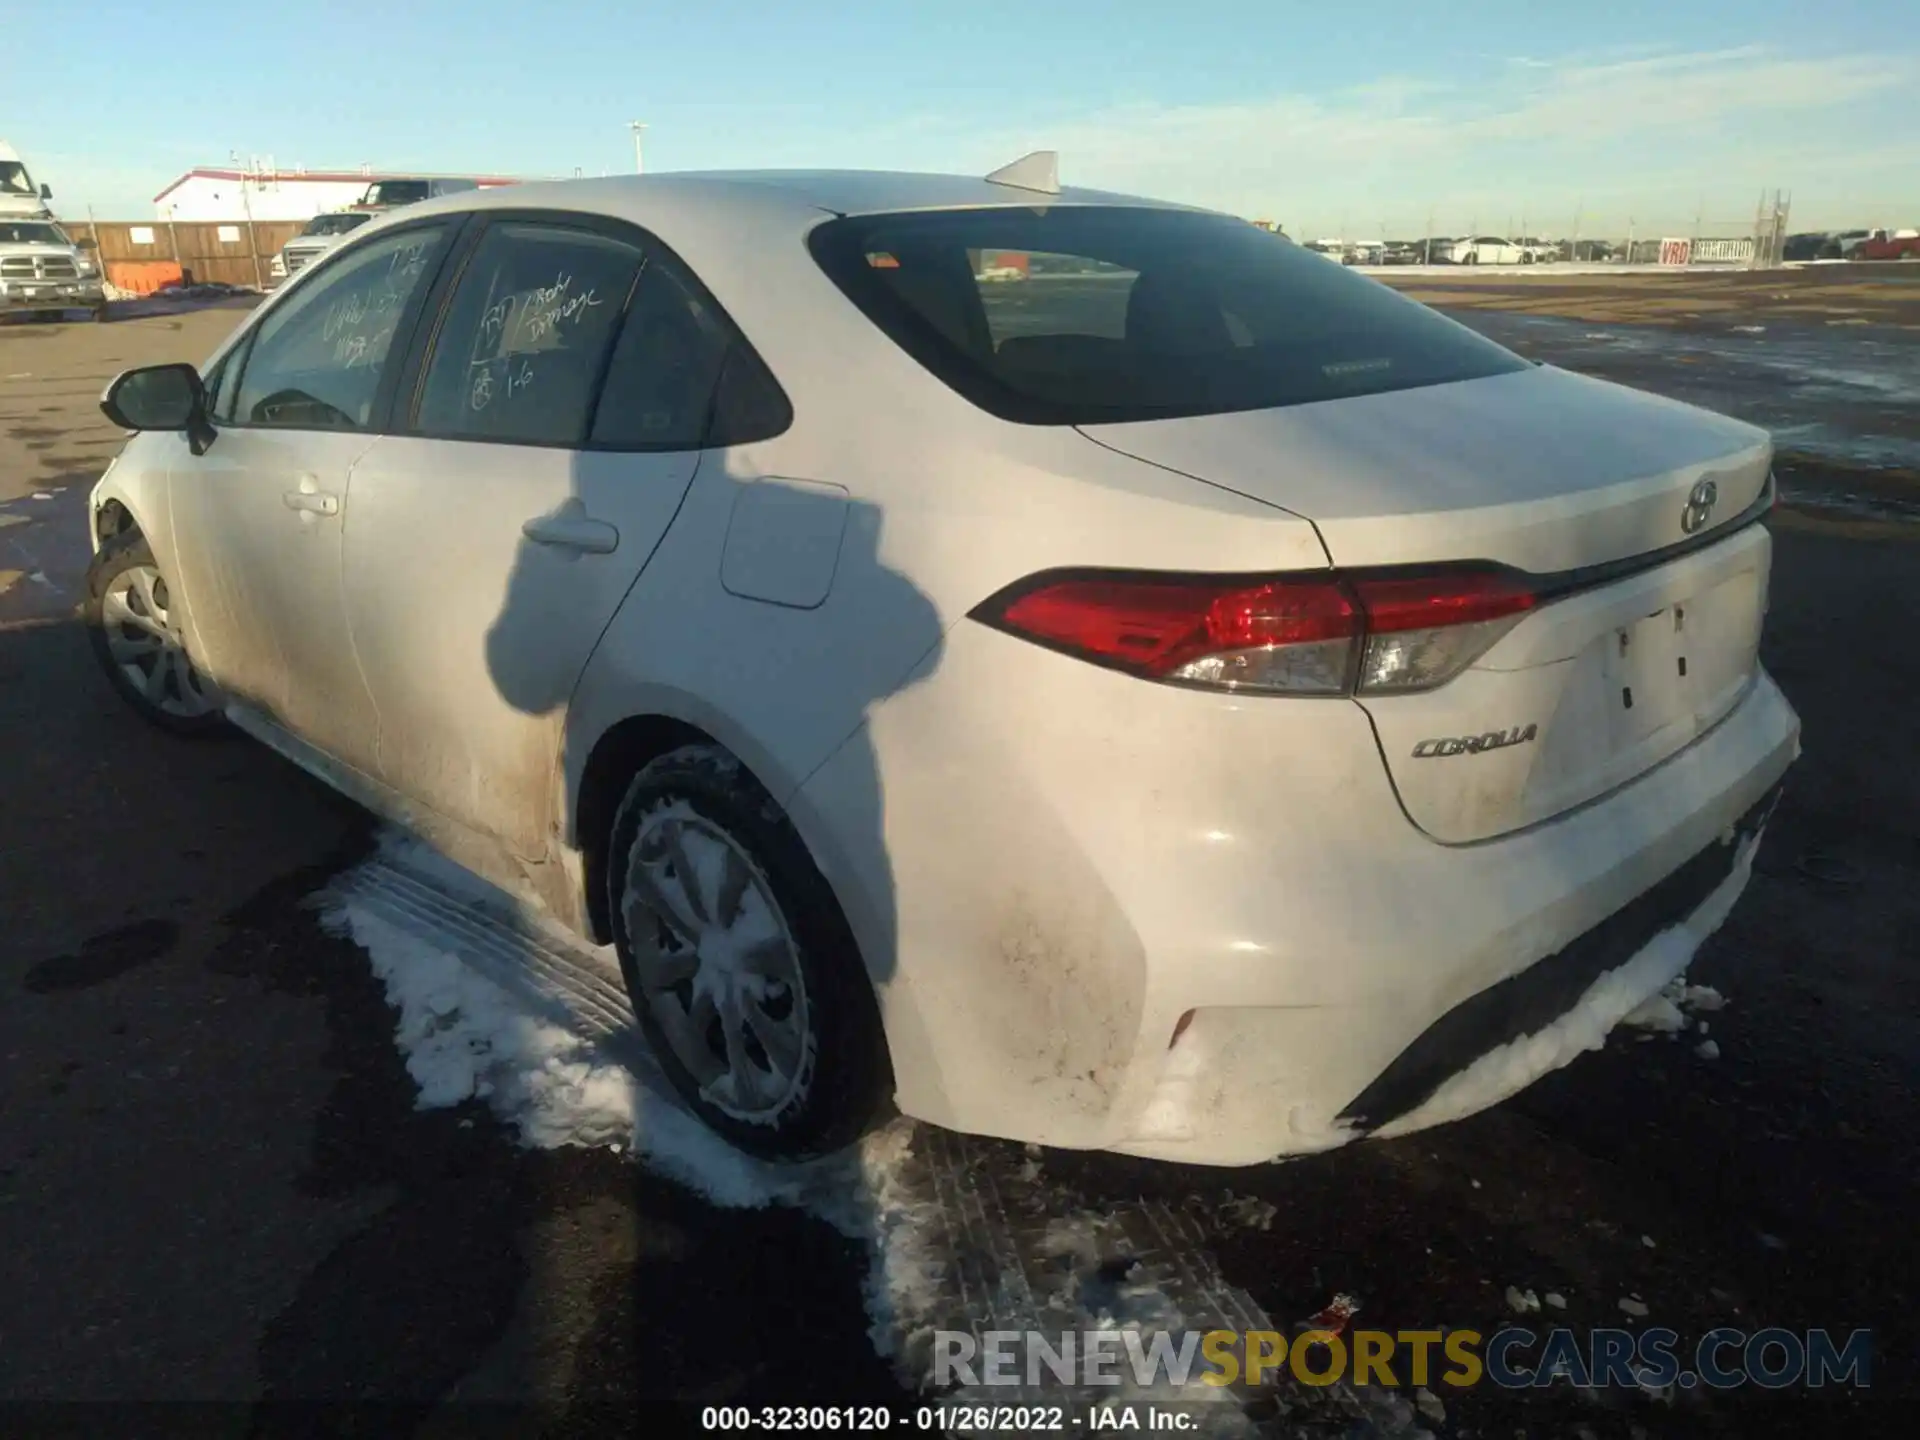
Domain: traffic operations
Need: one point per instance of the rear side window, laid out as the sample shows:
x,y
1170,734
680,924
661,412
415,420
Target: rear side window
x,y
525,338
1098,314
660,387
682,377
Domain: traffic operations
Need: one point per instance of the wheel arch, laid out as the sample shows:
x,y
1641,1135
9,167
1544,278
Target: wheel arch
x,y
131,496
616,756
111,520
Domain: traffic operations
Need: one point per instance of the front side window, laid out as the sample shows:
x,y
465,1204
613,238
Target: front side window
x,y
525,339
316,360
1097,314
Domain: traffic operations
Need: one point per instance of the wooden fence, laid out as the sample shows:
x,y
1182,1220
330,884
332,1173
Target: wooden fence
x,y
233,253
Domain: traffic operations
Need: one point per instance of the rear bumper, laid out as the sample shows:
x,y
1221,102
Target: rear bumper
x,y
1113,915
1527,1003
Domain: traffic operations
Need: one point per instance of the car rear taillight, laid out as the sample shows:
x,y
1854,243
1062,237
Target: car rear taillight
x,y
1424,629
1322,633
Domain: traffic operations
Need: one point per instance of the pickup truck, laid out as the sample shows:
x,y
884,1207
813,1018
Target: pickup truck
x,y
322,232
1888,245
44,272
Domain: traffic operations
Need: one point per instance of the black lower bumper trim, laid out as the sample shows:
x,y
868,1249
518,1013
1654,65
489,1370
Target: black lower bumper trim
x,y
1528,1002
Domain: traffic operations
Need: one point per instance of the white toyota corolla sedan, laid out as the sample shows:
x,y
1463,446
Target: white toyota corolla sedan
x,y
1193,702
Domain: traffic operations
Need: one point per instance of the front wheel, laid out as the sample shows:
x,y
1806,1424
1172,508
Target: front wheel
x,y
137,638
743,973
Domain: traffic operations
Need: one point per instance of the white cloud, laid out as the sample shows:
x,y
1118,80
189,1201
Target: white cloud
x,y
1676,130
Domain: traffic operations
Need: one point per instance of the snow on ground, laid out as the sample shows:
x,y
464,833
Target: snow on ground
x,y
1671,1009
496,1002
1613,997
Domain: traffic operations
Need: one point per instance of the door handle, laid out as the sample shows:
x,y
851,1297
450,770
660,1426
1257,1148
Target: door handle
x,y
310,499
569,528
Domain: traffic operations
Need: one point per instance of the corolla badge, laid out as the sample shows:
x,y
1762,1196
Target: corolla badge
x,y
1474,744
1700,502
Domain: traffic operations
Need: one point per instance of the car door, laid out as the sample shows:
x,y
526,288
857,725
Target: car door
x,y
493,539
258,518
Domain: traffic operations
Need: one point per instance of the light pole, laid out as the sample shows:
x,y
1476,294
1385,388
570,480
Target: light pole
x,y
637,126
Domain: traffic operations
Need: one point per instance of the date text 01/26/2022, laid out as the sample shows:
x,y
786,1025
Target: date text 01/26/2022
x,y
943,1419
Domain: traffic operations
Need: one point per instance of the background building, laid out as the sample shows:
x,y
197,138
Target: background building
x,y
238,193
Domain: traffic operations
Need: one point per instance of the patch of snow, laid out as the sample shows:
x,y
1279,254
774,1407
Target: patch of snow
x,y
465,1038
1671,1011
1250,1211
1702,997
1556,1300
496,1002
1647,1240
1633,1307
1521,1302
1610,999
1707,1050
1658,1014
43,495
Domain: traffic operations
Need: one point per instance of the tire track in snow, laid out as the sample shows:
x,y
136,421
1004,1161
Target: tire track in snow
x,y
496,1001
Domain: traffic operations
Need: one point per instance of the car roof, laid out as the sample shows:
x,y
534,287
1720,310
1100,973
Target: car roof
x,y
755,193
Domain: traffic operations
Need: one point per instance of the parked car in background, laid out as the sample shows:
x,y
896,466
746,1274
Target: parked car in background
x,y
1489,250
1335,250
1805,246
1888,245
20,197
1842,243
1202,715
411,190
44,272
1538,251
1401,252
321,234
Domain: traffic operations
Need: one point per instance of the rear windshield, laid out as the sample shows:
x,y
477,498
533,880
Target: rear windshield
x,y
1080,315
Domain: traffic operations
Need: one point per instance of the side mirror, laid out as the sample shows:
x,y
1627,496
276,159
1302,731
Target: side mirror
x,y
86,242
46,192
160,397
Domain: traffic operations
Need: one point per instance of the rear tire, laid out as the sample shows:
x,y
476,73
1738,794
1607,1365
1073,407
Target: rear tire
x,y
137,639
743,972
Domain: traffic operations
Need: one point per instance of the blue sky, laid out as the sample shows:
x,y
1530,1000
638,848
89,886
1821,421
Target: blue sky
x,y
1337,117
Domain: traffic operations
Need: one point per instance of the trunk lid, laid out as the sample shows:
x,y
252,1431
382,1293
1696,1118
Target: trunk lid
x,y
1649,628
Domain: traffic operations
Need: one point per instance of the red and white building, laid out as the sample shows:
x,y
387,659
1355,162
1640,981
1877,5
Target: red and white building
x,y
237,193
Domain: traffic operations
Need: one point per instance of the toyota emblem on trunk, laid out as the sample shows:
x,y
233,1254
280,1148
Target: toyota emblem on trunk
x,y
1700,503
